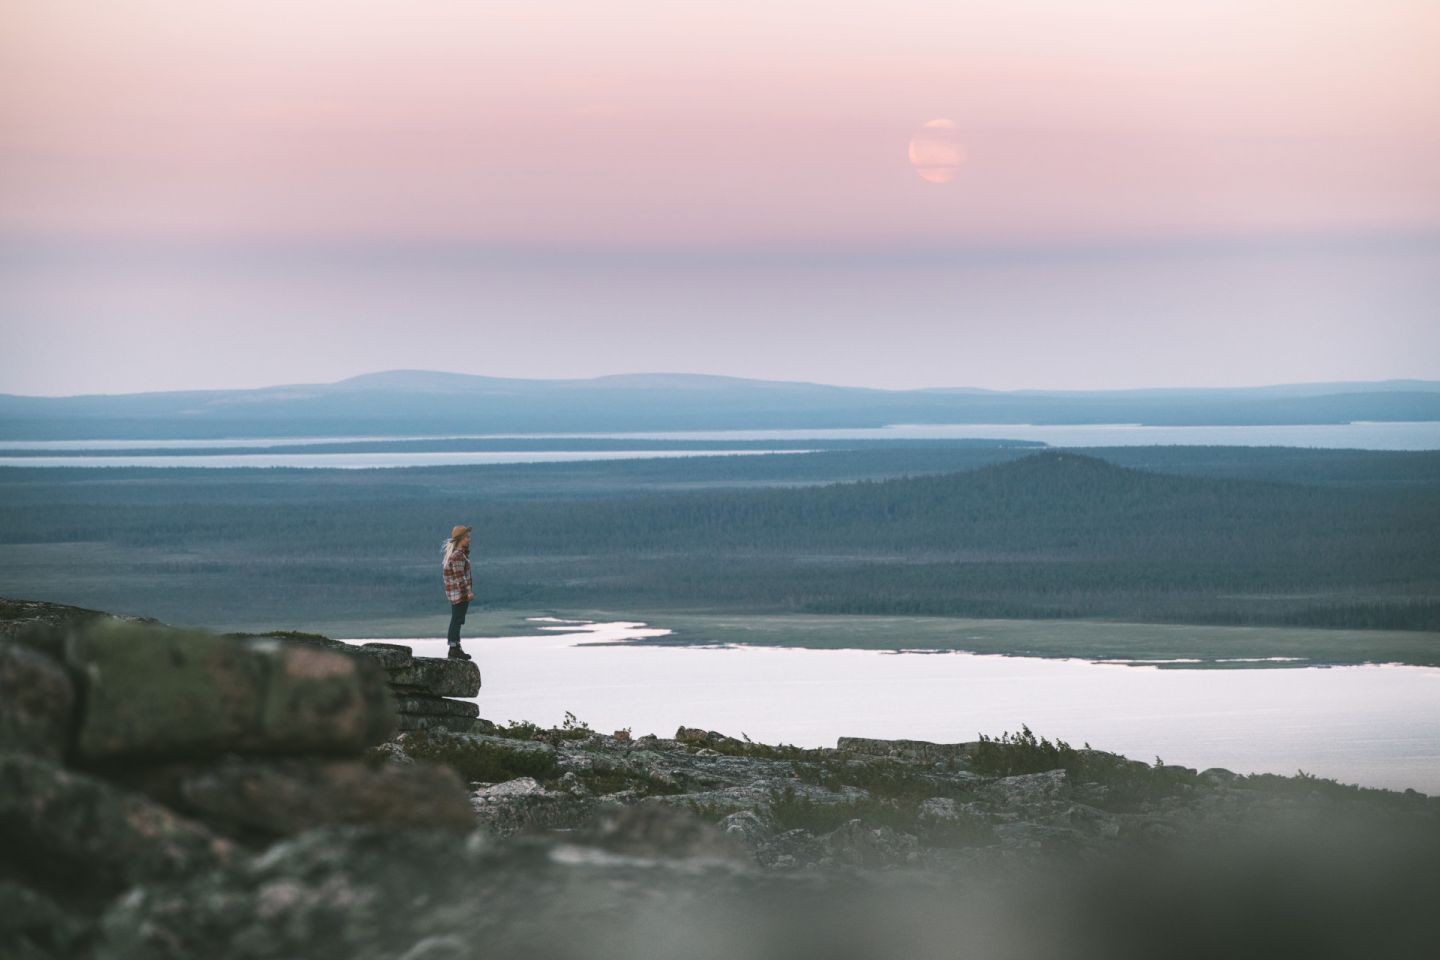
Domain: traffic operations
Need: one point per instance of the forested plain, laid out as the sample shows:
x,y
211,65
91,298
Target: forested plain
x,y
1178,535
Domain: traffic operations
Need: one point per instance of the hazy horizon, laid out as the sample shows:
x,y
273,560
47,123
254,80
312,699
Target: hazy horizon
x,y
1005,195
624,374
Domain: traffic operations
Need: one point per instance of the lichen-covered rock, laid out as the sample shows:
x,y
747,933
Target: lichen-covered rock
x,y
419,721
64,828
391,656
1028,790
369,894
857,844
157,692
272,798
437,706
914,751
439,676
523,804
37,702
331,893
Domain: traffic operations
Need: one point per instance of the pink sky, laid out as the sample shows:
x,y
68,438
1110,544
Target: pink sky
x,y
732,123
771,128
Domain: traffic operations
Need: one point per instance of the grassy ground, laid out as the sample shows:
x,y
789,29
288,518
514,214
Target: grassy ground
x,y
1213,647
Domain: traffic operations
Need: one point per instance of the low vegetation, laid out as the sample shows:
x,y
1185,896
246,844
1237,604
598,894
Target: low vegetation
x,y
481,761
1043,536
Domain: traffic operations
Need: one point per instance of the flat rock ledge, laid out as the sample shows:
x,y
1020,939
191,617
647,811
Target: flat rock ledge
x,y
423,687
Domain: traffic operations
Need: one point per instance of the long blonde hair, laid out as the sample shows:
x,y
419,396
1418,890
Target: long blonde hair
x,y
448,548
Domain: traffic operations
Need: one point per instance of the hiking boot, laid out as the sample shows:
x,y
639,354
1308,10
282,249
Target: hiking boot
x,y
457,654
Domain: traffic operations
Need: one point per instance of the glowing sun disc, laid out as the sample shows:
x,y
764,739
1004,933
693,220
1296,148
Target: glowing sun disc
x,y
935,151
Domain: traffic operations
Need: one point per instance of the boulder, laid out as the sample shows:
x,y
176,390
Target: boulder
x,y
68,830
439,676
37,701
272,798
523,804
1028,790
858,844
158,692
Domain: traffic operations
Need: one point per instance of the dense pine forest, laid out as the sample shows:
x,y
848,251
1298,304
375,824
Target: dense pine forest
x,y
1184,535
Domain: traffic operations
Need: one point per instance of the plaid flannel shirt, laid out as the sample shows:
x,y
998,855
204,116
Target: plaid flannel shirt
x,y
458,585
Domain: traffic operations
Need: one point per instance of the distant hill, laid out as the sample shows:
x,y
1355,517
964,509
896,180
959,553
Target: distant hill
x,y
425,403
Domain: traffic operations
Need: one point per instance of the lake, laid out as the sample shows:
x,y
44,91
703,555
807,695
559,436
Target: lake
x,y
1423,435
1372,725
363,461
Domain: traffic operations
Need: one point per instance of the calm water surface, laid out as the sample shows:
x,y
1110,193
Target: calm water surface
x,y
361,461
1373,725
191,453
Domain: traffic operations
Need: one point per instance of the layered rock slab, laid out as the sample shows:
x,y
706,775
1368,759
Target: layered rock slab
x,y
159,692
423,687
438,676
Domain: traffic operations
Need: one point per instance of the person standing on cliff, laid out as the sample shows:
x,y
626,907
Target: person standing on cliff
x,y
459,588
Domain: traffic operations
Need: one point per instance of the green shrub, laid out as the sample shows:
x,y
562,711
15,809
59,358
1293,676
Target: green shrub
x,y
1012,754
520,730
573,729
731,747
1127,784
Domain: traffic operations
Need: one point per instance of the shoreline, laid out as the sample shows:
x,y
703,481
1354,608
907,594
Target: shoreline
x,y
1164,646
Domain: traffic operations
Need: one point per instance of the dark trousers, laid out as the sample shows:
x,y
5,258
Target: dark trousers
x,y
457,617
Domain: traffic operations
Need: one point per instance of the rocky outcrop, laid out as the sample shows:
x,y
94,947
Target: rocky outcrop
x,y
422,687
626,848
287,822
132,752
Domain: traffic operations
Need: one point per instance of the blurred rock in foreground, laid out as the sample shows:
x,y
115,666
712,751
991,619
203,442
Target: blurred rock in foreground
x,y
175,794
